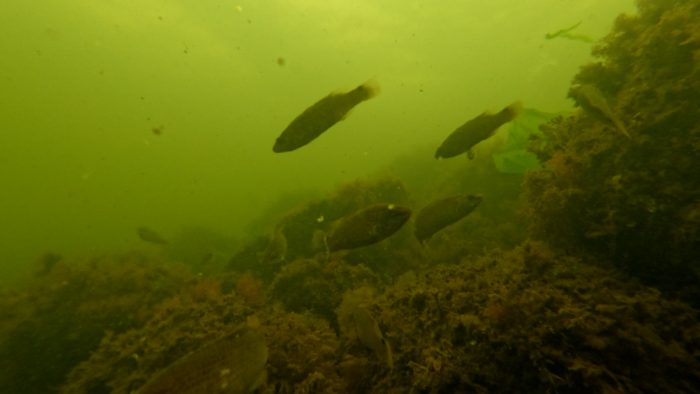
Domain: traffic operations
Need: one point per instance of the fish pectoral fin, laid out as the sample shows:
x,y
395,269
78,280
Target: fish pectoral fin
x,y
470,154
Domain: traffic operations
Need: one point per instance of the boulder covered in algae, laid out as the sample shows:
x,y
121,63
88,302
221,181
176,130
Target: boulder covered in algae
x,y
181,345
66,309
527,320
531,320
308,285
633,201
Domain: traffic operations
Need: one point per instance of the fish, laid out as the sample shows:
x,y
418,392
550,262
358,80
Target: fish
x,y
566,33
321,116
276,250
466,136
46,262
234,364
366,226
558,33
592,101
369,334
148,235
443,212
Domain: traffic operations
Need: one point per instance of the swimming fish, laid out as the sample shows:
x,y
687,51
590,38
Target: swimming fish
x,y
558,33
321,116
46,262
442,213
366,226
370,335
276,250
591,99
466,136
566,33
148,235
234,364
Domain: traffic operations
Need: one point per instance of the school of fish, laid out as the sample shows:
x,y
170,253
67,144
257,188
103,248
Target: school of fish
x,y
236,363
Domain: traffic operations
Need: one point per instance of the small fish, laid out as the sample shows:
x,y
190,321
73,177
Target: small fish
x,y
234,364
566,33
368,332
591,99
558,33
46,262
321,116
442,213
366,226
276,250
466,136
319,241
148,235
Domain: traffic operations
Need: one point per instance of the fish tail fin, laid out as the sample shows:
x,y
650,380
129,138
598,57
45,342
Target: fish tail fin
x,y
621,127
514,109
370,88
388,354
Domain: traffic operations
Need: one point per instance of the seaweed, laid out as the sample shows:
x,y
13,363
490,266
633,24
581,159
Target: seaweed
x,y
585,292
531,320
631,202
64,312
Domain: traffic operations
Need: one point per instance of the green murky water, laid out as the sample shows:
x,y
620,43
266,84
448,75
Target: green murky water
x,y
85,84
153,240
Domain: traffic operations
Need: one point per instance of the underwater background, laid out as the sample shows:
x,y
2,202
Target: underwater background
x,y
85,83
148,225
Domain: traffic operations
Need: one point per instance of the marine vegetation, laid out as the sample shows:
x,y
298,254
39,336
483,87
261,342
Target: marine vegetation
x,y
632,201
511,156
527,320
594,289
67,308
533,321
300,348
309,285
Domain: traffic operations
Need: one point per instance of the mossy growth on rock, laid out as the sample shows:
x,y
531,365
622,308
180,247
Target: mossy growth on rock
x,y
632,201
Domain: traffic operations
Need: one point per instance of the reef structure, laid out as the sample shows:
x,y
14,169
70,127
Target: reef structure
x,y
633,200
